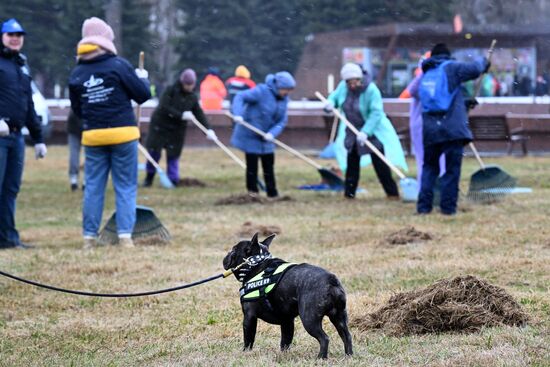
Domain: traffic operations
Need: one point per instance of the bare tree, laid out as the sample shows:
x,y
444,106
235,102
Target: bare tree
x,y
113,17
165,18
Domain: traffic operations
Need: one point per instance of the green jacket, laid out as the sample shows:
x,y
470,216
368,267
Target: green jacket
x,y
376,123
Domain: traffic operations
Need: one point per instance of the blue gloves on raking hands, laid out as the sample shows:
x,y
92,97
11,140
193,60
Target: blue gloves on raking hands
x,y
361,137
40,150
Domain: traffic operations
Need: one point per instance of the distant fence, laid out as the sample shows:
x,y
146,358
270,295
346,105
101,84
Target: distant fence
x,y
309,127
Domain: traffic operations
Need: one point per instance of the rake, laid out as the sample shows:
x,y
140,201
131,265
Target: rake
x,y
409,186
332,179
225,149
163,177
147,226
489,183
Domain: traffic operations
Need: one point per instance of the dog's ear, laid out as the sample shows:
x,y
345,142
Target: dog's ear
x,y
254,241
268,240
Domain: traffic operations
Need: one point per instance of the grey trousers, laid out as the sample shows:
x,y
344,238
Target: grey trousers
x,y
74,156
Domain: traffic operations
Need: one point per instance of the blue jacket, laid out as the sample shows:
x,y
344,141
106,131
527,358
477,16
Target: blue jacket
x,y
453,124
16,105
101,90
262,107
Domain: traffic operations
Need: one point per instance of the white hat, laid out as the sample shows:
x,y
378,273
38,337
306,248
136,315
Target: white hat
x,y
351,71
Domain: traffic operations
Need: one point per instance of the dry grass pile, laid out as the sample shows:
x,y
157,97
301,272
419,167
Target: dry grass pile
x,y
191,182
242,199
463,303
408,235
248,229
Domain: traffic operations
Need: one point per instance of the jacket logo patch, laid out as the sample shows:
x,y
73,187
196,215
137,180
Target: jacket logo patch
x,y
93,82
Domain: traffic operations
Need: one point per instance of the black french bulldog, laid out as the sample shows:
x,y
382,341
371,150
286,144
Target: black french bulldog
x,y
303,289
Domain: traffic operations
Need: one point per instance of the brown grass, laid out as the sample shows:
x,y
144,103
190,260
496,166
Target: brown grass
x,y
505,243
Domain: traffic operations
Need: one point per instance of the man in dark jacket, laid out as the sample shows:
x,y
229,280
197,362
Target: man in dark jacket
x,y
446,132
169,123
16,111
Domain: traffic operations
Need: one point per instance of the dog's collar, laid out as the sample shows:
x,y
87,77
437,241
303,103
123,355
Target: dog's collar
x,y
244,272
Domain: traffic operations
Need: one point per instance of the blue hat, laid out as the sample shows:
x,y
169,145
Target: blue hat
x,y
284,80
12,26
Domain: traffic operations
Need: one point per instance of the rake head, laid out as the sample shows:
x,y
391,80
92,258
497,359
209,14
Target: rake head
x,y
148,229
490,184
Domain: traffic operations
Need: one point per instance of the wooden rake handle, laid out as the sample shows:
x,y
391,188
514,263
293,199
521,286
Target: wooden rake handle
x,y
219,143
368,143
149,158
141,64
476,92
278,142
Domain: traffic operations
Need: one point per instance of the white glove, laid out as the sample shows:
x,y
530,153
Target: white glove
x,y
268,137
4,128
328,107
361,137
238,119
40,150
142,73
211,135
187,115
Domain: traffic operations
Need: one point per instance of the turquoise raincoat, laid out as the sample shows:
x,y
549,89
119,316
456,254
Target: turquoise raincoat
x,y
376,123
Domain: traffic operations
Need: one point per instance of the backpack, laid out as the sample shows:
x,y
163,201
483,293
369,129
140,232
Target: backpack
x,y
434,93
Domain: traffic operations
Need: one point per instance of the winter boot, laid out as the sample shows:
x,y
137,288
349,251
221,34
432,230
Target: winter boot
x,y
148,181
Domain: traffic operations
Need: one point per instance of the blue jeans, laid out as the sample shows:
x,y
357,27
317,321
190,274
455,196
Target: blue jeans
x,y
121,160
12,159
449,181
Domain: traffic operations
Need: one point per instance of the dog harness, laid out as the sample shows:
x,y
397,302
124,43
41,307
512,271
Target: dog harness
x,y
264,282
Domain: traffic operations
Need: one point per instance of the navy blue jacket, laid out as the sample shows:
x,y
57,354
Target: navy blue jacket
x,y
453,124
16,105
101,90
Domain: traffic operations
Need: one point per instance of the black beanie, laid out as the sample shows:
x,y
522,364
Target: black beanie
x,y
440,49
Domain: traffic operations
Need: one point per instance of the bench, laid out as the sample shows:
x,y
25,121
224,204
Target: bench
x,y
496,128
533,127
400,122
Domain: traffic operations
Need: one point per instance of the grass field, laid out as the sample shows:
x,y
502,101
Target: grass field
x,y
507,243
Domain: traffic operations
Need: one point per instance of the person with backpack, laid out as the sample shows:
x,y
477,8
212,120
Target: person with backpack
x,y
445,124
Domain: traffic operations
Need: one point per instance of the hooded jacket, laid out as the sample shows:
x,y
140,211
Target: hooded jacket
x,y
16,105
453,124
212,91
101,90
262,107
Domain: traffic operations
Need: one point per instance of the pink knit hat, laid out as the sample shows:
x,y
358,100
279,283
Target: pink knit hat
x,y
96,32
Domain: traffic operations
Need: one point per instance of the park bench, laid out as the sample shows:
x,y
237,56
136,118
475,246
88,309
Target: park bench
x,y
496,129
529,126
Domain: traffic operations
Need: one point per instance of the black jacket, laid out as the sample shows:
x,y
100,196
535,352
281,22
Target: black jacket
x,y
16,105
101,90
167,129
